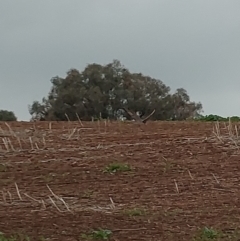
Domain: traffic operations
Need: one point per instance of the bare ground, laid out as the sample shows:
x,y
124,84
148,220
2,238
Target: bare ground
x,y
182,178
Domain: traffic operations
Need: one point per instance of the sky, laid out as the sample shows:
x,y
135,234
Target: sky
x,y
187,44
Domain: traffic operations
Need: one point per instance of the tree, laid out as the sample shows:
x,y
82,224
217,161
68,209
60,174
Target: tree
x,y
104,90
183,107
6,115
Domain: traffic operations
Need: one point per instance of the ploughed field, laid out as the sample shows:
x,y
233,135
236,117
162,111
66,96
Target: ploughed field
x,y
122,181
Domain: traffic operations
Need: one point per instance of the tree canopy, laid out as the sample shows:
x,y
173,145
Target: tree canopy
x,y
6,115
103,90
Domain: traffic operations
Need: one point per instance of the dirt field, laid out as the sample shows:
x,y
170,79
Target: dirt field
x,y
169,180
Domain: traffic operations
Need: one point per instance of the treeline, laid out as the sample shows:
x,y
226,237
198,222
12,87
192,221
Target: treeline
x,y
101,91
217,118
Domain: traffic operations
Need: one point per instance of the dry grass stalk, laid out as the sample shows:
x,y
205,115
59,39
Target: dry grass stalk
x,y
32,198
37,146
4,135
190,174
78,132
30,139
44,141
222,190
10,129
99,146
235,143
69,122
105,125
216,132
112,204
4,197
10,196
79,120
59,198
67,117
176,185
43,203
19,142
5,143
232,134
165,159
65,204
55,205
10,143
18,192
236,130
128,229
72,133
230,127
215,178
50,126
218,128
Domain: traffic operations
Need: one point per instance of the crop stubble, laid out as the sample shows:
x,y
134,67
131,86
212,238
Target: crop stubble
x,y
181,176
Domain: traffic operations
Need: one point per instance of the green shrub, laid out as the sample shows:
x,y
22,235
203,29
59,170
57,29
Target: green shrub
x,y
6,115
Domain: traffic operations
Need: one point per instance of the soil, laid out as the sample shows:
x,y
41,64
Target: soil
x,y
54,181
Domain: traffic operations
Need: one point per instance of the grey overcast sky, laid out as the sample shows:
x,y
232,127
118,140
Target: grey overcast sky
x,y
184,43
